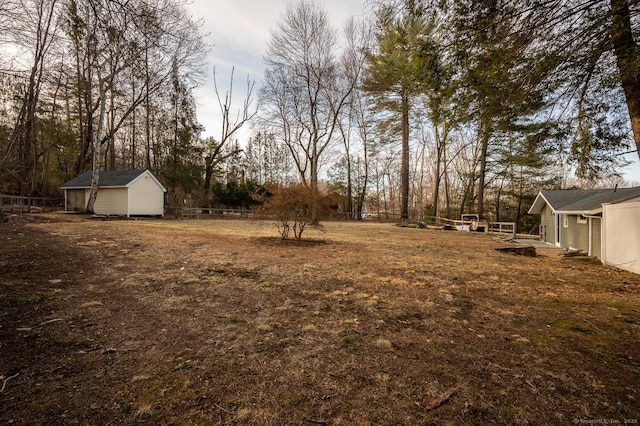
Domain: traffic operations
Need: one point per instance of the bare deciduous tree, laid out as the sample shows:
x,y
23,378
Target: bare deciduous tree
x,y
355,123
113,41
36,33
306,87
229,125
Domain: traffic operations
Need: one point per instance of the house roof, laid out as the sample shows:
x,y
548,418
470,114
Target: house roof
x,y
108,179
579,201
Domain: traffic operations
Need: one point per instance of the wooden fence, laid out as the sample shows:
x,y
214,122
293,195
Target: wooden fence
x,y
373,216
21,204
183,213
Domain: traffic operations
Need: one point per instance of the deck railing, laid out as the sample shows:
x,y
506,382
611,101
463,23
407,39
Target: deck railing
x,y
508,228
503,228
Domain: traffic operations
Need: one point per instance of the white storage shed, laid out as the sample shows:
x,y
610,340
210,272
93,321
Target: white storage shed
x,y
621,235
120,193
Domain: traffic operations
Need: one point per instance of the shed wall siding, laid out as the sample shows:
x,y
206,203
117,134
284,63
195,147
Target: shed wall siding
x,y
146,197
622,236
596,237
111,201
576,235
547,220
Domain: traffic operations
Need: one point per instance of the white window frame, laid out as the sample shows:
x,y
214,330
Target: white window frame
x,y
565,221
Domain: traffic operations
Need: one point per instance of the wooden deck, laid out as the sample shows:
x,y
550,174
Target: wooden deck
x,y
539,245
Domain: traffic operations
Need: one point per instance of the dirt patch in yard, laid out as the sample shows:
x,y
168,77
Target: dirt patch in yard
x,y
220,322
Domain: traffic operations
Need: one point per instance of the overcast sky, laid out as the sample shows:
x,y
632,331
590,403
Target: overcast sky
x,y
238,31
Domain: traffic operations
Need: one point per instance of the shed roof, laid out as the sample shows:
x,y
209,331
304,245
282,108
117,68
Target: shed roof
x,y
581,201
108,179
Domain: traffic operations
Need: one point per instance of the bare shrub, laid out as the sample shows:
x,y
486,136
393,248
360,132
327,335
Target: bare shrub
x,y
290,206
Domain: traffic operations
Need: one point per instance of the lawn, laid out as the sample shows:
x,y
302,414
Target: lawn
x,y
220,322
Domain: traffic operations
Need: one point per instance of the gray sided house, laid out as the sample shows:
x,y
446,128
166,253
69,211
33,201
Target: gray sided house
x,y
120,193
604,223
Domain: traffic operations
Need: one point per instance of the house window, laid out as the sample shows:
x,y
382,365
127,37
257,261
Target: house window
x,y
581,219
565,221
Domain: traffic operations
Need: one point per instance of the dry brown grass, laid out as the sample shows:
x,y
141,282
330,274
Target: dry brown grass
x,y
220,322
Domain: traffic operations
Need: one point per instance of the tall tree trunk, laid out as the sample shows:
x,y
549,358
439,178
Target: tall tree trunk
x,y
627,59
83,83
174,156
25,130
484,134
147,110
349,187
447,193
47,159
208,174
87,135
313,180
365,182
133,125
436,184
404,170
111,146
520,196
97,149
498,201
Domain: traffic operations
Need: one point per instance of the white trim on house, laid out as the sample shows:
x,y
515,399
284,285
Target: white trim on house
x,y
146,173
539,203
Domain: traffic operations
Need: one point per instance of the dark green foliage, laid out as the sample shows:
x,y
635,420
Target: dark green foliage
x,y
183,166
599,131
236,195
591,66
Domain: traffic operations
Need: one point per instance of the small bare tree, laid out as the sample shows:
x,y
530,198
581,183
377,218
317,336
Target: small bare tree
x,y
229,126
292,208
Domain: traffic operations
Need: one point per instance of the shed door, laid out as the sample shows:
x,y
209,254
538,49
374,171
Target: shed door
x,y
75,200
621,235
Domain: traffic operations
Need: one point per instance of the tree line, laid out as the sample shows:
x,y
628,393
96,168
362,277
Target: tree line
x,y
421,109
97,85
